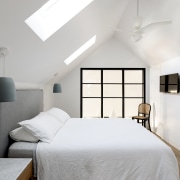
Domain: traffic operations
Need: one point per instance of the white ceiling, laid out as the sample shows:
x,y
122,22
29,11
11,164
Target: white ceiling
x,y
159,43
33,61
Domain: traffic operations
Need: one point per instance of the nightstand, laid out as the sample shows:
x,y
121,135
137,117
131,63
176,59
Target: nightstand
x,y
16,168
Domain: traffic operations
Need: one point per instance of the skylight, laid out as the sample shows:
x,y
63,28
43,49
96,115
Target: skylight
x,y
79,51
53,15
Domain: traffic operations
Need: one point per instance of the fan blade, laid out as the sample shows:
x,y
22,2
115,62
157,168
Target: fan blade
x,y
151,25
120,30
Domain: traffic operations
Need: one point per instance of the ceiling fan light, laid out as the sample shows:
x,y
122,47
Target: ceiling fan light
x,y
138,22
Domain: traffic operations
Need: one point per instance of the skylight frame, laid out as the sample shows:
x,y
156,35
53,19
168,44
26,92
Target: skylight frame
x,y
53,15
80,50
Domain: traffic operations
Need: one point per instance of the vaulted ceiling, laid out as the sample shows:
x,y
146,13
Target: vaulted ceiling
x,y
32,61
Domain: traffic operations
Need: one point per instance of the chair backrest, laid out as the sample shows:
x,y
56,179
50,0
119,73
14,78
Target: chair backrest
x,y
144,108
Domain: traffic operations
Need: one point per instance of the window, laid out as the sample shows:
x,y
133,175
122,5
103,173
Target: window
x,y
53,15
111,92
81,50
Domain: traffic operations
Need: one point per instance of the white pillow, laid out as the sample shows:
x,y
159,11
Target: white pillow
x,y
58,114
19,134
43,126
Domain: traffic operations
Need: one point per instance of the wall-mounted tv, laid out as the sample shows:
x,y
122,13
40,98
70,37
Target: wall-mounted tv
x,y
169,83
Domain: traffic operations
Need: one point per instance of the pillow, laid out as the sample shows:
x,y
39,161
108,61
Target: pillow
x,y
19,134
43,126
58,114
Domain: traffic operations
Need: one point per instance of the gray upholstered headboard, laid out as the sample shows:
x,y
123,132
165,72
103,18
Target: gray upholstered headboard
x,y
28,104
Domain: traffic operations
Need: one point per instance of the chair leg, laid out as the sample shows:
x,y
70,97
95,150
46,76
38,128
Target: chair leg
x,y
149,125
144,123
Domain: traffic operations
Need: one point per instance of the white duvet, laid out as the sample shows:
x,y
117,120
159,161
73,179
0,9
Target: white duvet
x,y
105,149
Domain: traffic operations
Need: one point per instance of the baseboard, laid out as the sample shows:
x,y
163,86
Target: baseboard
x,y
177,152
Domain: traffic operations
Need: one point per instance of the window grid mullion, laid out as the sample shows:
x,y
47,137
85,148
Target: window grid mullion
x,y
102,111
123,94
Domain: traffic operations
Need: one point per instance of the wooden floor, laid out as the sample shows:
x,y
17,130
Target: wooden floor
x,y
176,152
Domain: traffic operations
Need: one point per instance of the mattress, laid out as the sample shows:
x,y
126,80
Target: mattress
x,y
24,150
105,149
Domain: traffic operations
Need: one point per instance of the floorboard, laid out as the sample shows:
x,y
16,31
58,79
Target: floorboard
x,y
176,152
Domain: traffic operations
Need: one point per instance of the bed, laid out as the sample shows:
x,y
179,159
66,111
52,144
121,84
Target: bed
x,y
102,149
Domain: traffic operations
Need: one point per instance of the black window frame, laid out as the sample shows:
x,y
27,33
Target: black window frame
x,y
123,84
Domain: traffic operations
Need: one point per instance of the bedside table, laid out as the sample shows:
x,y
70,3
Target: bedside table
x,y
16,168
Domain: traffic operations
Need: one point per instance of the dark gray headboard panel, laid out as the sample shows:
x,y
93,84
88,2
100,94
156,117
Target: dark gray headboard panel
x,y
28,104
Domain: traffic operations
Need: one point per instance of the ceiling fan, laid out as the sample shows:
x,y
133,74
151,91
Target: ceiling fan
x,y
139,29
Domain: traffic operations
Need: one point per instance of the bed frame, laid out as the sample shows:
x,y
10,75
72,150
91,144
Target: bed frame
x,y
28,104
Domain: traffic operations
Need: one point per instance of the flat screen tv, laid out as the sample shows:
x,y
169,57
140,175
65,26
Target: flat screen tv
x,y
169,83
163,87
173,83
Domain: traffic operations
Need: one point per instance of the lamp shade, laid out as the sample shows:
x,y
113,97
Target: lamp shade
x,y
57,88
7,89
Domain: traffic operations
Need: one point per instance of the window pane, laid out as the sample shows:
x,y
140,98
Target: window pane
x,y
133,76
131,106
112,76
91,76
112,90
133,90
112,107
91,90
91,107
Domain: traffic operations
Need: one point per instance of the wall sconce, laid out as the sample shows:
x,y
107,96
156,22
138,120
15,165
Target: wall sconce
x,y
57,88
7,86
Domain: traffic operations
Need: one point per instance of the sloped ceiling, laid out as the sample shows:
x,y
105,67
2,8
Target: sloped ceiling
x,y
32,61
160,43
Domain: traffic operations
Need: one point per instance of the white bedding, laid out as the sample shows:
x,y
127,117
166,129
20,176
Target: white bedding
x,y
105,149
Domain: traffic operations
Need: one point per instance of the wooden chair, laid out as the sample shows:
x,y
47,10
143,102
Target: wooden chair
x,y
143,116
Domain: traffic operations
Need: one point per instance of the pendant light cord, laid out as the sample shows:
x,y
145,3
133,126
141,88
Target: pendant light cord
x,y
4,65
3,53
137,7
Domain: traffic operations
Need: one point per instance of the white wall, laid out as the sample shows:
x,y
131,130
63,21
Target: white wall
x,y
111,54
165,114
